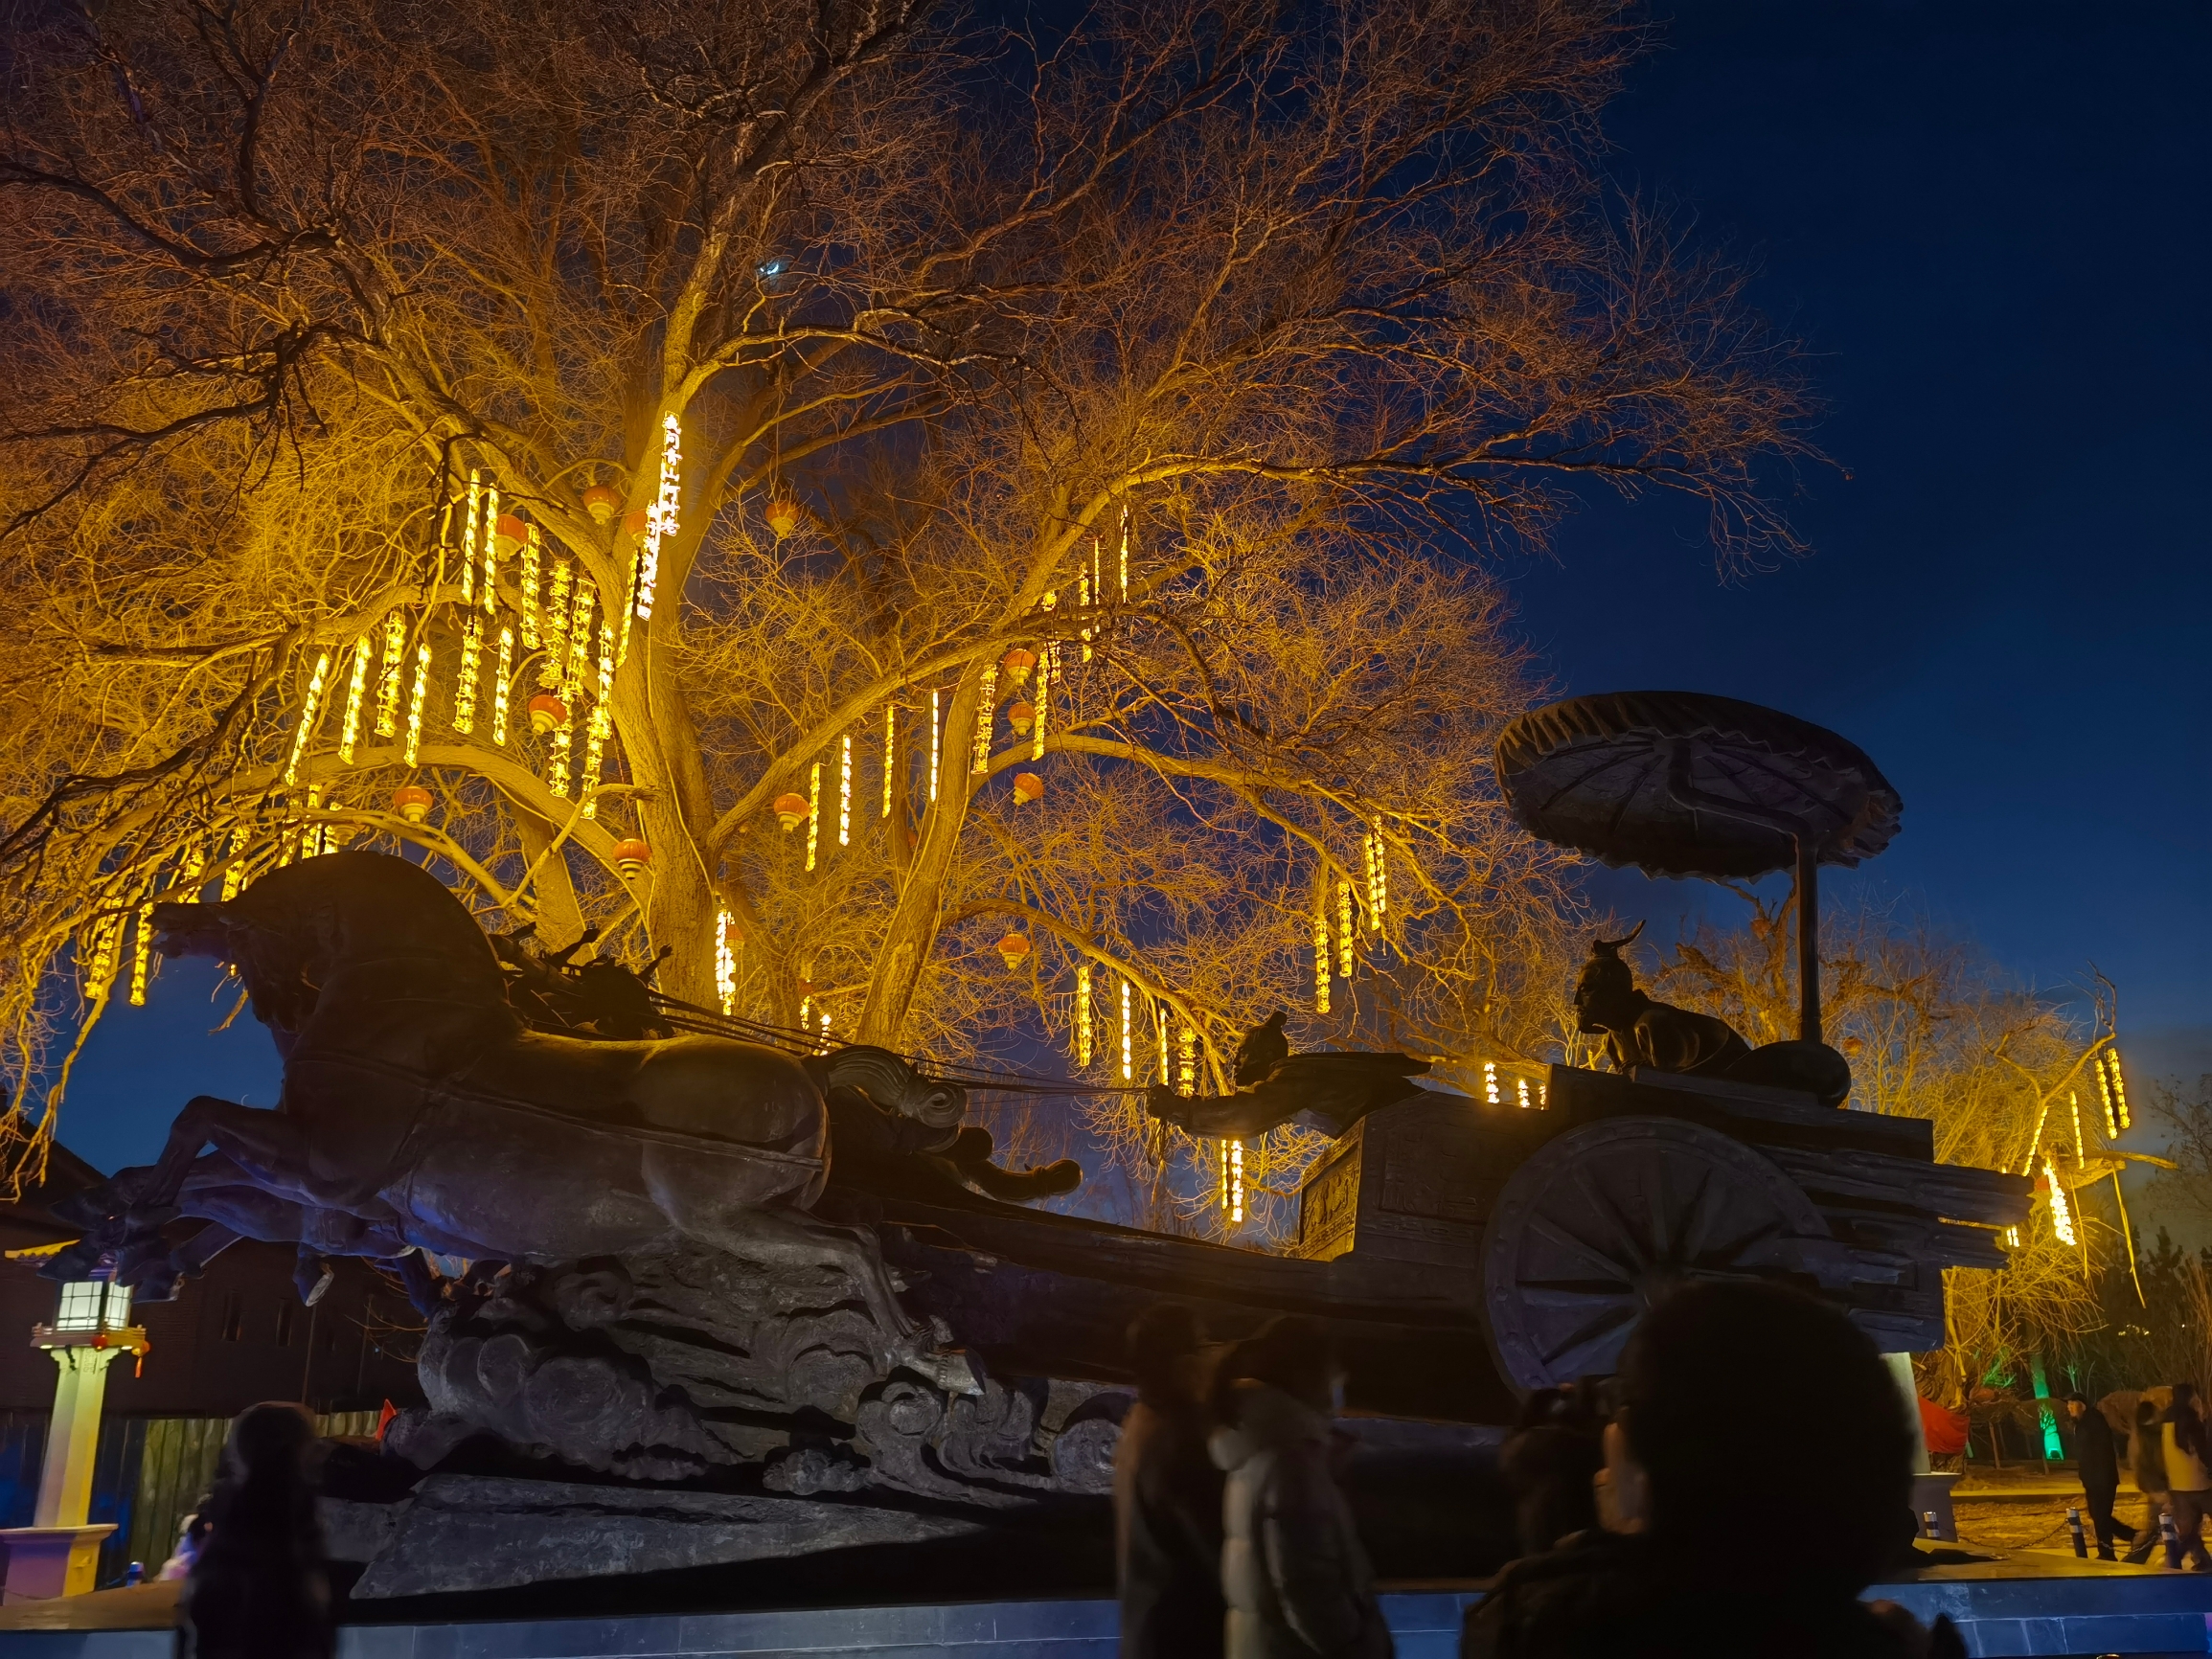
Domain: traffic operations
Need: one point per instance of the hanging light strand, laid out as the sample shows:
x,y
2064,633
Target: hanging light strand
x,y
141,954
416,700
890,751
549,667
533,552
845,790
1321,957
579,639
311,706
1129,1051
1160,1017
660,523
499,688
935,733
1046,664
1083,1027
725,961
1187,1066
492,549
1125,553
601,725
986,716
2061,1212
464,688
356,695
813,811
1345,925
389,675
468,523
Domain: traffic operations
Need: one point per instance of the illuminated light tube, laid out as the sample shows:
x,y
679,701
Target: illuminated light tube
x,y
1082,1032
813,811
2074,1102
1236,1183
1223,1147
2061,1212
935,731
1321,961
194,868
1525,1100
661,517
549,667
141,955
824,1048
557,769
1044,671
1128,1054
594,758
726,962
499,688
416,700
491,550
533,550
1344,923
1160,1016
1082,593
986,716
388,677
235,873
311,706
890,751
1187,1070
845,790
1125,553
1489,1081
102,936
465,688
579,638
469,525
356,695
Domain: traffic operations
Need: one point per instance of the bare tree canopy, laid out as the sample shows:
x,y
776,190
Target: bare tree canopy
x,y
937,489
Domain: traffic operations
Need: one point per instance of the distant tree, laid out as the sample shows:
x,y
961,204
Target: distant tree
x,y
890,411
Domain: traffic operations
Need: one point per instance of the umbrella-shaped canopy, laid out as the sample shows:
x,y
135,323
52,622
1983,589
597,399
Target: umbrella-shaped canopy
x,y
1681,784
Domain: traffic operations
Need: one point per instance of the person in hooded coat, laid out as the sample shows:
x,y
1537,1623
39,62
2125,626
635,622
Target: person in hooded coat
x,y
1167,1499
2147,1457
1715,1546
260,1587
2097,1458
2188,1462
1293,1573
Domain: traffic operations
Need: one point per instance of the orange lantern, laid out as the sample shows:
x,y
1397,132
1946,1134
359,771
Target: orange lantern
x,y
1028,786
633,525
790,811
509,534
631,857
1017,663
1013,949
602,502
1021,717
782,512
547,712
412,801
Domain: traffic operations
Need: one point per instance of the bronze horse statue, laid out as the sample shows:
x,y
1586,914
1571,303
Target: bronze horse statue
x,y
420,1113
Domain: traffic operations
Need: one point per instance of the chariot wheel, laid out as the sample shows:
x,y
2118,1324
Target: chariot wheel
x,y
1606,1218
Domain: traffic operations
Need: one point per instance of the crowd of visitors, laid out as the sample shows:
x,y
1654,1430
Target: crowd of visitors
x,y
2172,1463
1645,1528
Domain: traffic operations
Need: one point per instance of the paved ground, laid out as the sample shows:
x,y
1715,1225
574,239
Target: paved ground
x,y
2024,1507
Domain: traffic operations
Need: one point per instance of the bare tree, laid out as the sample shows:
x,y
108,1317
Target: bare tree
x,y
1033,473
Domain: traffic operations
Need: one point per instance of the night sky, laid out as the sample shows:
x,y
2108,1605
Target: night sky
x,y
1989,223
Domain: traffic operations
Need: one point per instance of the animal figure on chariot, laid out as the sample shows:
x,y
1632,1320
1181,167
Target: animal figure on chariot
x,y
421,1110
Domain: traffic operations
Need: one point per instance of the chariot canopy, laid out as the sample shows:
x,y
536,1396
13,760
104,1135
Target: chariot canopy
x,y
1683,784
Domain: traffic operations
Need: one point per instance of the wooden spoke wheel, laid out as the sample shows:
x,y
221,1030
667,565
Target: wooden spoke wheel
x,y
1604,1218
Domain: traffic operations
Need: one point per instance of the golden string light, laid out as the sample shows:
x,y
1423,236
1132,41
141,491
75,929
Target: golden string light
x,y
1129,1051
469,525
1082,593
1321,959
986,716
1233,1177
311,706
2115,1090
1125,553
357,694
579,638
499,688
1489,1081
1378,872
890,751
465,688
531,551
1160,1016
415,699
1525,1100
1344,928
1045,667
102,936
557,757
813,811
194,869
388,679
491,550
936,727
1187,1070
601,725
845,790
1083,1032
141,955
549,667
2074,1100
660,520
2061,1212
725,961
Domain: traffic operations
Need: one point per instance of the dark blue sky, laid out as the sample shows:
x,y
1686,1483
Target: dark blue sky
x,y
1989,222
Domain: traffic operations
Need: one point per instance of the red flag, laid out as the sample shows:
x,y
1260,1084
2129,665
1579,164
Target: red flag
x,y
384,1419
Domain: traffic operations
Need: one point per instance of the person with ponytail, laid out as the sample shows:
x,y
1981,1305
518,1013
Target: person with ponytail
x,y
1167,1499
260,1588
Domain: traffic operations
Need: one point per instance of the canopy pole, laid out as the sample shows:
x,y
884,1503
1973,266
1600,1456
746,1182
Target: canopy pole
x,y
1807,939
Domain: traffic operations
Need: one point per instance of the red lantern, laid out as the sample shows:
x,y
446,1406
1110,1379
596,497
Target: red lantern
x,y
633,525
1014,950
631,858
602,502
1028,786
1017,663
509,534
782,512
791,811
547,712
412,801
1021,717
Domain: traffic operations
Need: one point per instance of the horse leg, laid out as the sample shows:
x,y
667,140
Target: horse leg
x,y
268,1140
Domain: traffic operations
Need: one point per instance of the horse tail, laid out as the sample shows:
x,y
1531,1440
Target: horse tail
x,y
891,1084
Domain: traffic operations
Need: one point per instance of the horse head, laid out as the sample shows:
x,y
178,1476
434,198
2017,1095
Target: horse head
x,y
893,1086
287,932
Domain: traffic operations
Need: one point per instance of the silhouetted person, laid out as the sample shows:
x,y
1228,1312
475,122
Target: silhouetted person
x,y
2097,1459
1167,1499
2147,1456
2188,1476
1548,1461
1292,1569
1757,1474
260,1588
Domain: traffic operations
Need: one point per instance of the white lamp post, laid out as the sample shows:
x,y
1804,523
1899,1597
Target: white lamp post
x,y
58,1554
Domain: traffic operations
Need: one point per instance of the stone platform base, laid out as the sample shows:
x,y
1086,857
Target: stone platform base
x,y
2017,1606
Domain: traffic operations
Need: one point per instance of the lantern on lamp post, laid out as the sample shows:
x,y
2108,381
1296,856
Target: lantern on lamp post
x,y
58,1554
